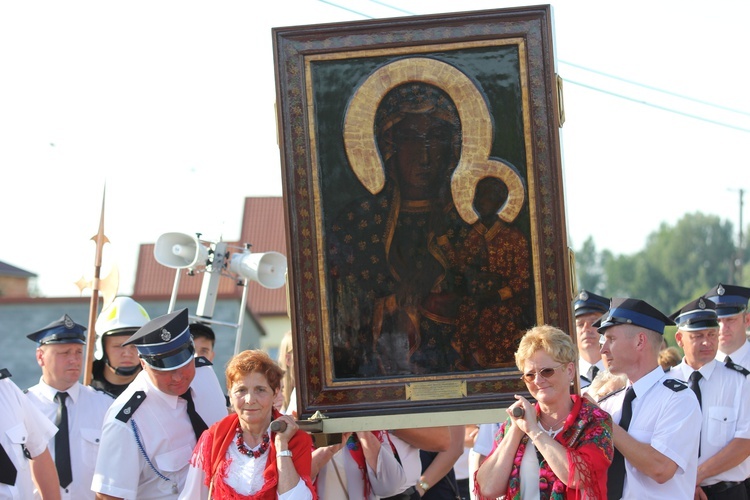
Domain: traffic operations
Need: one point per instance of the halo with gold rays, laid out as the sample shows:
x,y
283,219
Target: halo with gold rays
x,y
476,142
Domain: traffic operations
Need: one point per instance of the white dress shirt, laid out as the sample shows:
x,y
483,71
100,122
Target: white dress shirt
x,y
741,356
583,370
410,460
725,405
485,439
388,479
165,434
667,420
86,409
21,425
461,467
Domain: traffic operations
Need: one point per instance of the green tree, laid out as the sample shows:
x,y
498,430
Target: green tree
x,y
589,271
677,265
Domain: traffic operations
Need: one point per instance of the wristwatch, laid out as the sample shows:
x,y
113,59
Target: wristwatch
x,y
284,453
423,484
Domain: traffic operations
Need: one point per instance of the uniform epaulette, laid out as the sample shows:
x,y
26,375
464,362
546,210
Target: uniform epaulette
x,y
133,403
99,389
201,361
738,368
4,373
611,394
675,385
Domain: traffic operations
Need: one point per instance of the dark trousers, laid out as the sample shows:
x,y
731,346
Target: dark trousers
x,y
721,492
463,488
410,494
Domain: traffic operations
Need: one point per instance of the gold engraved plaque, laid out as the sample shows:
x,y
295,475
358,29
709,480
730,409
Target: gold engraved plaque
x,y
446,389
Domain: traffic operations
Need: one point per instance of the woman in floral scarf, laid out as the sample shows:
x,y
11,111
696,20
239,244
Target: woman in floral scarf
x,y
559,448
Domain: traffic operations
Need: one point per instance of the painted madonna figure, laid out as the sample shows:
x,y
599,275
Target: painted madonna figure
x,y
394,302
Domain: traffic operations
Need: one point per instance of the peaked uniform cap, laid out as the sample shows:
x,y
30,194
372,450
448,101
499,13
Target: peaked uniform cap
x,y
729,299
62,331
165,342
588,302
699,314
626,311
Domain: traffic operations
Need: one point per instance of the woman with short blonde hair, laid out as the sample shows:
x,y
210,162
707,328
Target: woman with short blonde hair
x,y
558,448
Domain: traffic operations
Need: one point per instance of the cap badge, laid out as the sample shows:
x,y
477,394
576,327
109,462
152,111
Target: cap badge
x,y
165,335
702,303
720,290
583,295
69,323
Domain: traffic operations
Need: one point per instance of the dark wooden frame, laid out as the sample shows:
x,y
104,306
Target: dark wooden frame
x,y
305,131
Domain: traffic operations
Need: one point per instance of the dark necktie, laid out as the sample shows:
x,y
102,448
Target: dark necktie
x,y
62,442
693,383
7,469
591,374
195,420
727,359
694,378
616,471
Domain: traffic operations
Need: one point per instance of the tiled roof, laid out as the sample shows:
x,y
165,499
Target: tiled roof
x,y
16,272
262,227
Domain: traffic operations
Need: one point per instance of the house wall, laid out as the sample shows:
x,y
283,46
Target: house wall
x,y
12,286
275,327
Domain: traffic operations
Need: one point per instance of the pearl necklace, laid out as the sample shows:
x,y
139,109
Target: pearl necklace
x,y
247,451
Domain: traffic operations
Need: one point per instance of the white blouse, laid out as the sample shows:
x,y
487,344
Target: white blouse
x,y
529,471
244,475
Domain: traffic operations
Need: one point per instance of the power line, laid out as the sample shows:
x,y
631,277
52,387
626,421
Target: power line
x,y
663,108
598,89
393,7
332,4
688,98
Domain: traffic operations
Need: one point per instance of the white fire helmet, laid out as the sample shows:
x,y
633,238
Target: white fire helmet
x,y
124,316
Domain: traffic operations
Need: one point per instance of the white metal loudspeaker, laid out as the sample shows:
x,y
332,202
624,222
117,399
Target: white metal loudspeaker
x,y
268,268
182,251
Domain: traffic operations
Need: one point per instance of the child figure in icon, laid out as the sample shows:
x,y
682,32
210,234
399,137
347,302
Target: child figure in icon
x,y
491,260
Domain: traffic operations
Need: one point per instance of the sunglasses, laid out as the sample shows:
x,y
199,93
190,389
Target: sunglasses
x,y
544,372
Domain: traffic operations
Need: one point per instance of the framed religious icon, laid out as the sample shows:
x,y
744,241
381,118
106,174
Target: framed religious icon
x,y
424,207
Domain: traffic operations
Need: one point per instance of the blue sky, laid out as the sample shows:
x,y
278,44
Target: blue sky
x,y
171,103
